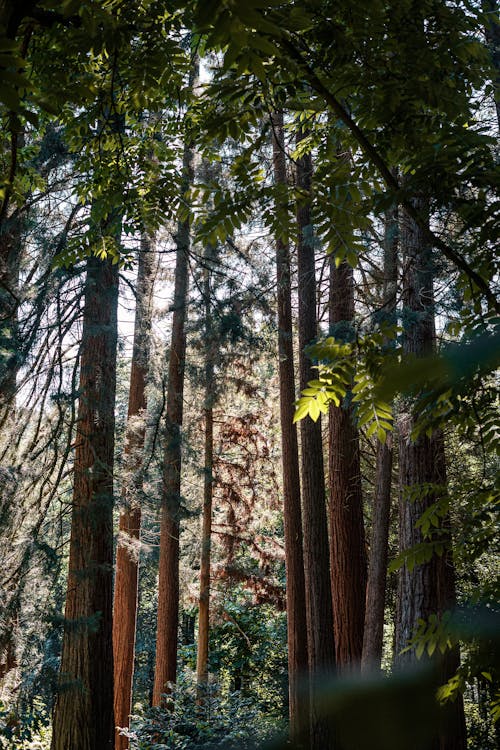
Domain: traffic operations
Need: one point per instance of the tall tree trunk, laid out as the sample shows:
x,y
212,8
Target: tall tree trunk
x,y
348,553
377,571
10,255
127,551
206,531
11,237
320,636
492,33
83,715
429,587
292,514
168,581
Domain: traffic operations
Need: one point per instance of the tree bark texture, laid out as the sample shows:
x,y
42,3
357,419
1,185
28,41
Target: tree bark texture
x,y
83,715
127,551
168,580
320,636
418,589
206,530
348,550
429,587
492,33
377,570
11,240
292,514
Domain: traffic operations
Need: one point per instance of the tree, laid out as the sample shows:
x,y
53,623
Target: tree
x,y
208,479
377,569
83,715
320,634
168,584
425,588
127,551
348,556
492,33
292,515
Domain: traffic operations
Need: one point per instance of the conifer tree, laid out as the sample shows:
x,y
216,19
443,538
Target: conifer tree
x,y
426,588
168,583
83,715
292,514
127,552
208,479
377,569
348,557
320,634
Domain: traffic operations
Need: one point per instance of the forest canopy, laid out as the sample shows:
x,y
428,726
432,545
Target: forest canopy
x,y
249,349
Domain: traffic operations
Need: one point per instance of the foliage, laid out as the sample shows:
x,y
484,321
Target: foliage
x,y
217,721
391,99
31,731
344,369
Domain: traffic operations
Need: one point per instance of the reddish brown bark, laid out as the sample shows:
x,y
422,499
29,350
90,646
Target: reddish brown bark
x,y
348,551
127,551
168,579
83,715
320,637
377,570
292,514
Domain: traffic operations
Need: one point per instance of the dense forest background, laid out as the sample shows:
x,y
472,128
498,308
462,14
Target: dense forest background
x,y
248,389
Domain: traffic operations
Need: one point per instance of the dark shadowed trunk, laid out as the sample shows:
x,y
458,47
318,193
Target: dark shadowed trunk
x,y
492,33
83,714
11,238
127,551
428,588
206,530
10,254
348,552
321,649
168,581
292,515
377,570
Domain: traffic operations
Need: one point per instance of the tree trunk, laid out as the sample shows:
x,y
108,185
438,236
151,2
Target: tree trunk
x,y
492,33
429,587
206,532
83,715
292,514
10,251
127,551
11,238
377,571
348,552
168,581
320,635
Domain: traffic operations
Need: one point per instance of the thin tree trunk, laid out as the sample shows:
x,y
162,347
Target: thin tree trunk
x,y
377,571
11,231
168,581
127,551
348,553
492,33
10,252
206,532
429,587
83,715
292,514
320,636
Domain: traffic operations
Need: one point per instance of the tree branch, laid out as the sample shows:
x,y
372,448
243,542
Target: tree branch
x,y
390,180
